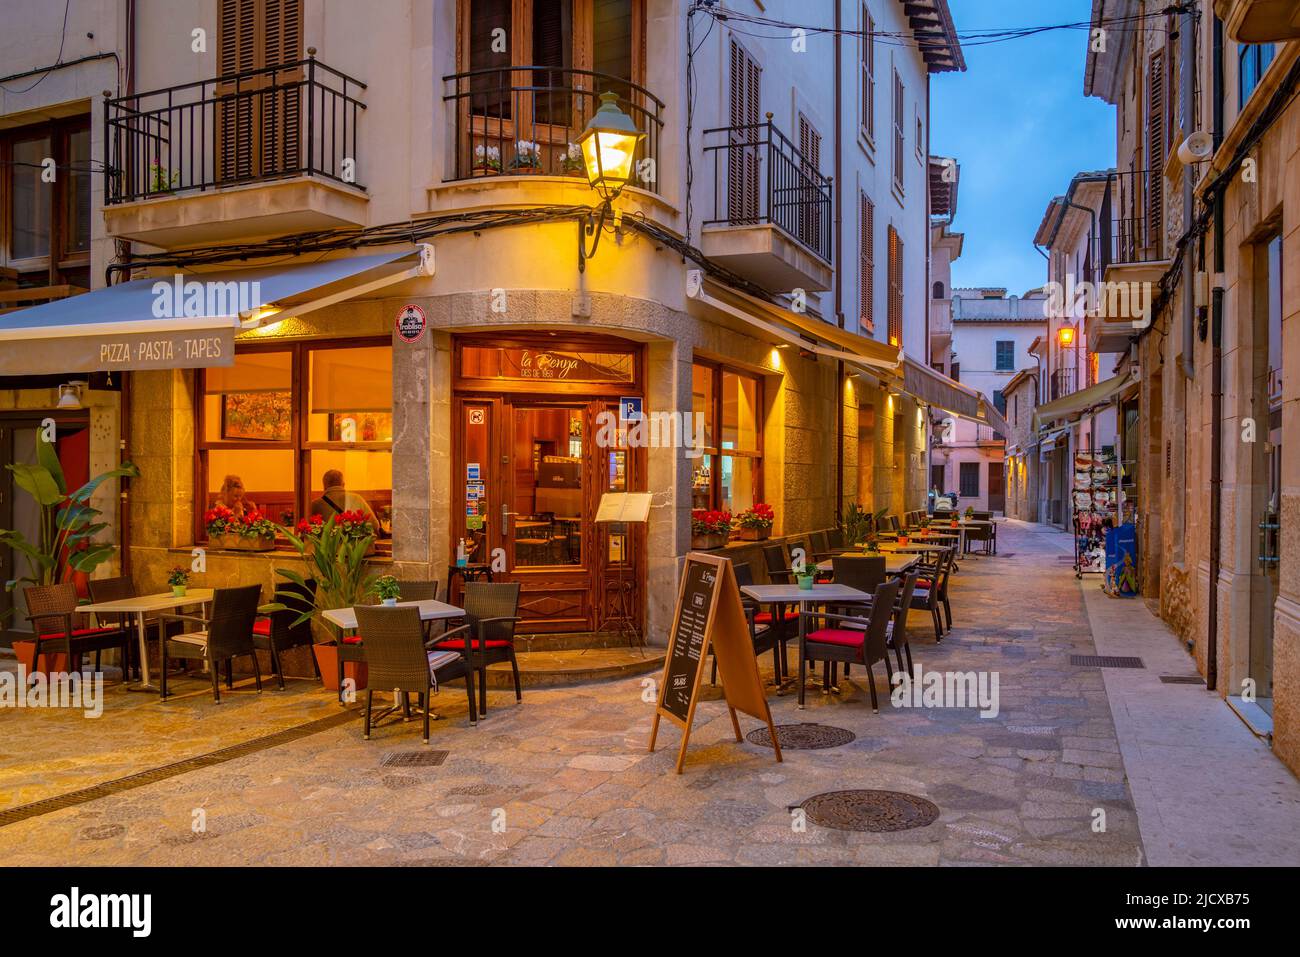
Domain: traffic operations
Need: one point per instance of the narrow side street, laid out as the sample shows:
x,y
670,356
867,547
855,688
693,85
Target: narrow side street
x,y
566,777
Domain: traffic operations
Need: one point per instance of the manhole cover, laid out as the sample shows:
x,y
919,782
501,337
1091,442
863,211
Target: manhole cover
x,y
802,737
1183,680
414,759
870,810
1105,661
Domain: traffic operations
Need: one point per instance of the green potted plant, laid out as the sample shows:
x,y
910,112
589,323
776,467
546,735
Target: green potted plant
x,y
571,161
487,160
179,579
970,510
872,539
709,528
336,559
387,589
528,157
755,522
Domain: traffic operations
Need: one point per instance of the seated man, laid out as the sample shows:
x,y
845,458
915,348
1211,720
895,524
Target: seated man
x,y
337,499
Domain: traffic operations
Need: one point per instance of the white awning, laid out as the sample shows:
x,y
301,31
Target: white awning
x,y
186,320
1059,438
1078,403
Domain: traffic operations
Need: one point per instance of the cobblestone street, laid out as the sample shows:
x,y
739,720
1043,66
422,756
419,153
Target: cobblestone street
x,y
565,778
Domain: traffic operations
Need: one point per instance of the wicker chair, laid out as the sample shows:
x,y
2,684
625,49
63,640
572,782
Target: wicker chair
x,y
398,657
277,632
863,572
114,589
896,632
777,564
765,634
52,611
854,639
488,635
227,635
418,590
931,587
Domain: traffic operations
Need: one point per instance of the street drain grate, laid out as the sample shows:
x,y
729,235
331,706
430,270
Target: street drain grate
x,y
802,737
414,759
109,788
1105,661
870,810
1183,680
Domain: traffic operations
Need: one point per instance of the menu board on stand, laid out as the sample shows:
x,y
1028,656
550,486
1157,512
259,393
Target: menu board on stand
x,y
710,614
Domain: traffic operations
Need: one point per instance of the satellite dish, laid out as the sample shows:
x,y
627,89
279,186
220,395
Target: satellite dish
x,y
1197,147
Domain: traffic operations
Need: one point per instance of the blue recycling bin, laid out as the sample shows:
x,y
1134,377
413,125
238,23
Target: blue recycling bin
x,y
1121,561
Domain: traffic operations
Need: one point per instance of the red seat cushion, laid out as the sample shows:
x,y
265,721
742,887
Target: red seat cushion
x,y
262,626
923,583
767,617
352,640
849,637
458,644
81,633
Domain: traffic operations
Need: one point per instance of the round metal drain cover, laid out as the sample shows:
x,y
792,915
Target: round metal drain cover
x,y
870,810
802,737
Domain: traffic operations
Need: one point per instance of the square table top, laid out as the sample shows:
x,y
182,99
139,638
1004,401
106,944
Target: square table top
x,y
147,603
430,610
793,593
895,564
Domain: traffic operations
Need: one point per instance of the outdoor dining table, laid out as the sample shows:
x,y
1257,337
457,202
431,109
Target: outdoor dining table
x,y
895,564
141,606
345,619
803,597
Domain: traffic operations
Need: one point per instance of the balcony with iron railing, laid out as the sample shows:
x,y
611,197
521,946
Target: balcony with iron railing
x,y
771,218
1138,201
174,157
526,121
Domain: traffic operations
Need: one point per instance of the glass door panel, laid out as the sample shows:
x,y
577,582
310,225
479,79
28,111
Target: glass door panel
x,y
546,502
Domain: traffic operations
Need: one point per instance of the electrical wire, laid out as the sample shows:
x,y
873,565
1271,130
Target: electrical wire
x,y
58,60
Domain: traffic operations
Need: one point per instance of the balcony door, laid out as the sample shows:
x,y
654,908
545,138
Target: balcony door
x,y
743,154
531,72
259,108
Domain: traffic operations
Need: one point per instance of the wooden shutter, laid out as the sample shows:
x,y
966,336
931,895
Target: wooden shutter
x,y
898,130
895,267
260,120
743,154
868,73
1156,145
808,195
866,263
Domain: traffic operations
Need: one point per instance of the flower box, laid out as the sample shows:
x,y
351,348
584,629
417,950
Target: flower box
x,y
753,534
232,541
702,543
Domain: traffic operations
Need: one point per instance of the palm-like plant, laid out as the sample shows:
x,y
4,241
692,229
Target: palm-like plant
x,y
338,564
67,524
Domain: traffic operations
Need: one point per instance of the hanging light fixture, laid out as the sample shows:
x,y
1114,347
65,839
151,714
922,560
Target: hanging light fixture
x,y
70,395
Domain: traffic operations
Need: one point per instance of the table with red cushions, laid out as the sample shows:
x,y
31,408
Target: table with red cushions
x,y
345,619
804,598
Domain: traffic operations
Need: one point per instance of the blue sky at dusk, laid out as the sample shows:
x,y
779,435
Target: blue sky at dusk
x,y
1018,123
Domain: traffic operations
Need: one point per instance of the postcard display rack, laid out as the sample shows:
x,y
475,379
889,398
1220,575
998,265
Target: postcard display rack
x,y
1098,502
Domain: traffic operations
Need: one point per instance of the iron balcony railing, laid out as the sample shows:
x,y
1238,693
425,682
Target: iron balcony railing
x,y
760,176
295,119
1137,202
1062,383
526,120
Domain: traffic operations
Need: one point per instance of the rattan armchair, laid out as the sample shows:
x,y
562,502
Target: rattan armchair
x,y
115,589
280,630
56,627
853,639
398,657
488,635
932,587
226,635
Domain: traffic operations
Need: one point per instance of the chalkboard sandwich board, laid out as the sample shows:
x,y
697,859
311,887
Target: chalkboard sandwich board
x,y
709,612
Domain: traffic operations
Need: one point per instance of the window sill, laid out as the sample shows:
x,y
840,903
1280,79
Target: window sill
x,y
279,552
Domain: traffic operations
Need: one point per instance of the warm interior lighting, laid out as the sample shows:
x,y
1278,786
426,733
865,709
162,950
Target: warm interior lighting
x,y
608,145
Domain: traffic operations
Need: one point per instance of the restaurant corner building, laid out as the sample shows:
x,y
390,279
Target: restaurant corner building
x,y
429,328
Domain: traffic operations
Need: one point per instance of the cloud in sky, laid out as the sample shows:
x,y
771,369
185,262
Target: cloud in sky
x,y
1018,123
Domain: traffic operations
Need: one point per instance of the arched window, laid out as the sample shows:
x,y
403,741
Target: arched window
x,y
937,292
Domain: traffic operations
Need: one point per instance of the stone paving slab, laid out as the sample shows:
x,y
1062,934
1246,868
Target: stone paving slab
x,y
564,777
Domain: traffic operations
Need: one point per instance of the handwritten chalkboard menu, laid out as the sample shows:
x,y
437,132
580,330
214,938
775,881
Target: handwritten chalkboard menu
x,y
709,613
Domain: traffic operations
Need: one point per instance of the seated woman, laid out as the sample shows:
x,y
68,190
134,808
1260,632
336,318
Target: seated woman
x,y
232,496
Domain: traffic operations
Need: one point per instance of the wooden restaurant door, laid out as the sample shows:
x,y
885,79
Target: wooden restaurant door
x,y
532,462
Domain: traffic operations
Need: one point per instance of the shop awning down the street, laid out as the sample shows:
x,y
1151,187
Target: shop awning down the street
x,y
792,328
187,320
1076,404
941,391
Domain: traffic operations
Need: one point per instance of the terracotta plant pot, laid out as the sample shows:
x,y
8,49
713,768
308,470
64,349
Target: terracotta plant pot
x,y
327,659
704,543
56,661
754,534
237,543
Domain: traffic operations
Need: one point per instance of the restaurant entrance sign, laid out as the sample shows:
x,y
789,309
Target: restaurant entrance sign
x,y
709,613
127,351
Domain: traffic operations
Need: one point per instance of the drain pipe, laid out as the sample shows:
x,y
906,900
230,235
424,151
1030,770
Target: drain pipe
x,y
1186,91
1216,389
837,248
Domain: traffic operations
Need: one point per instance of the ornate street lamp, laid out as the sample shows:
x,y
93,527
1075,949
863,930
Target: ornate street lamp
x,y
608,145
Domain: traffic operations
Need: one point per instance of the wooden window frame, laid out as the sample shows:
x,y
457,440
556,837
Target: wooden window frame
x,y
895,269
58,259
962,472
298,443
900,99
866,263
997,355
867,65
717,369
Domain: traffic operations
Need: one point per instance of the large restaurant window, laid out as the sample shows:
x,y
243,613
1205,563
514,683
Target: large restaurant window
x,y
729,476
45,233
290,429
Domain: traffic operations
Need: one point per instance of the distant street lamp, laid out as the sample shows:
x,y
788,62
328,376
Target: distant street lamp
x,y
1066,335
608,145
